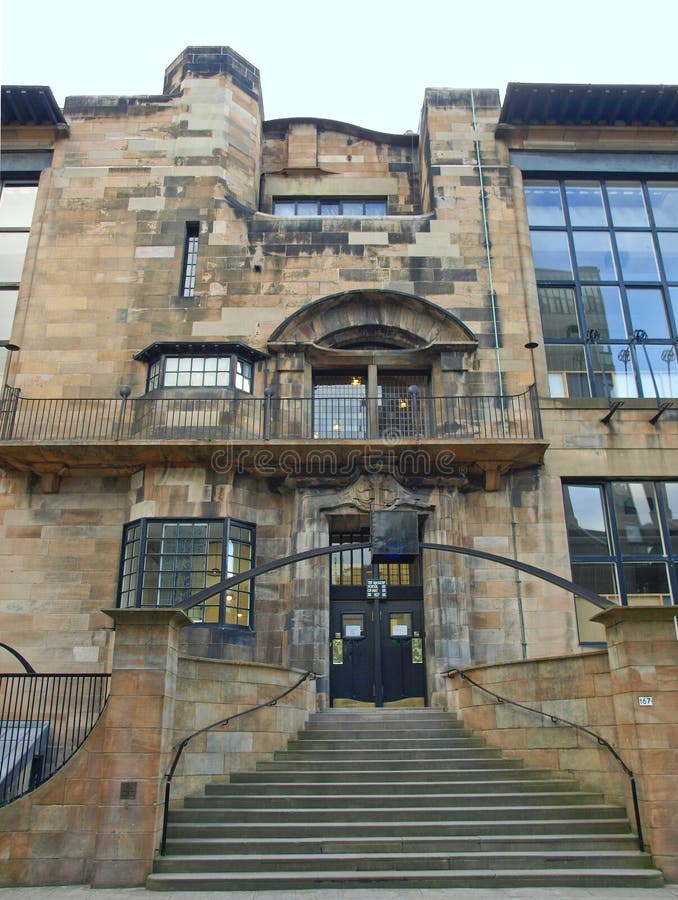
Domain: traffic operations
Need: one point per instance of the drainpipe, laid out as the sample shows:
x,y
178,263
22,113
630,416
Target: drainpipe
x,y
519,580
486,233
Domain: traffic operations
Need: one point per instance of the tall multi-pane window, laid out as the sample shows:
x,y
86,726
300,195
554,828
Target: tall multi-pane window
x,y
623,538
165,561
190,259
606,260
17,202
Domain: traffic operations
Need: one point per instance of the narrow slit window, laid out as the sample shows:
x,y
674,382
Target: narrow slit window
x,y
190,259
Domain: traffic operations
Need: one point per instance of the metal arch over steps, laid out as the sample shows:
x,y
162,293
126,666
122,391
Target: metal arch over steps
x,y
543,574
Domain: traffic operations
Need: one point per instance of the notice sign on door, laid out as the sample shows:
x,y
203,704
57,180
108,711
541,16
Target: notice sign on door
x,y
376,588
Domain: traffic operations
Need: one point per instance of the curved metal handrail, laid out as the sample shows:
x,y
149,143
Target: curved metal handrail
x,y
182,744
559,720
22,659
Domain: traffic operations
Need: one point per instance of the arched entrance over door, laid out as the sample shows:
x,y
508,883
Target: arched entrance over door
x,y
376,624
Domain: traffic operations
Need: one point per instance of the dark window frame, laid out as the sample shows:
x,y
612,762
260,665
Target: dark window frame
x,y
339,202
237,603
189,264
598,354
616,557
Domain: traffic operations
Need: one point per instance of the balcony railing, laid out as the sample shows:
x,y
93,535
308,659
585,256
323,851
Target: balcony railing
x,y
44,719
269,418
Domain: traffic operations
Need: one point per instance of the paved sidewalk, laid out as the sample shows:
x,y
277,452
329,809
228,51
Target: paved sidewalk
x,y
83,892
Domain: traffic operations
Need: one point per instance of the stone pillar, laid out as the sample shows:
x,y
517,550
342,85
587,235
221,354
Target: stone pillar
x,y
137,740
643,652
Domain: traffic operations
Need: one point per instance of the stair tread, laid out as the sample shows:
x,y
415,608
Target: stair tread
x,y
394,798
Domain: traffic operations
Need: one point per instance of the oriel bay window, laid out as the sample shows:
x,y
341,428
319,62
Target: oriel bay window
x,y
361,403
165,561
623,539
200,365
606,260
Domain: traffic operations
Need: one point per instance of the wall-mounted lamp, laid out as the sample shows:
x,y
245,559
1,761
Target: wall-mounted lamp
x,y
532,346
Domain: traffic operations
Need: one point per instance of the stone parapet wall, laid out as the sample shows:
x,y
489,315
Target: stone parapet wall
x,y
209,691
576,688
99,819
626,693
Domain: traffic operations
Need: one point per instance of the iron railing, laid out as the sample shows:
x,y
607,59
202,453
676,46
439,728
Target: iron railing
x,y
451,673
221,723
44,719
23,419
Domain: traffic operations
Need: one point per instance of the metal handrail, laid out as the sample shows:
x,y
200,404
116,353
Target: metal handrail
x,y
44,720
183,743
246,418
558,719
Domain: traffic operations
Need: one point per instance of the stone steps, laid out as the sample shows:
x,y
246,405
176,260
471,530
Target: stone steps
x,y
397,799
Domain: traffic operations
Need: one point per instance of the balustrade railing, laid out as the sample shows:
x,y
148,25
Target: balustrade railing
x,y
44,719
24,419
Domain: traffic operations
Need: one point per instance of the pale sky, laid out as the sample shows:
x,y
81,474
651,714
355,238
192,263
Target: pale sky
x,y
366,62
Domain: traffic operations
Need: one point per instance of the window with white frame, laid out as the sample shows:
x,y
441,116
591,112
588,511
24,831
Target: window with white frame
x,y
221,366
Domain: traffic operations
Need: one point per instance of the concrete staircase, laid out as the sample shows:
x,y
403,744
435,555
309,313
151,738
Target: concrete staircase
x,y
397,799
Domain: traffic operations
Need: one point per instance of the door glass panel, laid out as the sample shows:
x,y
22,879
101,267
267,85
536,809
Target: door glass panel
x,y
594,256
339,406
585,203
544,205
635,507
627,205
400,625
353,625
400,405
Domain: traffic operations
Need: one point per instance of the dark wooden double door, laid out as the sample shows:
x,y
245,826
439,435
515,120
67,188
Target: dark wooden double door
x,y
377,651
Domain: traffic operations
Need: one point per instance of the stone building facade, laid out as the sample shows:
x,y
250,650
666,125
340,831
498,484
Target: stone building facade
x,y
237,340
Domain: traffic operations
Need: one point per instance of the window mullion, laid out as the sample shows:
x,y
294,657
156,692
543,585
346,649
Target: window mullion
x,y
138,591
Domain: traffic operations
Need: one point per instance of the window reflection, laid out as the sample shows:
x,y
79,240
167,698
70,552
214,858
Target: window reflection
x,y
604,311
623,540
664,201
627,205
585,203
551,255
593,250
636,256
544,204
625,282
